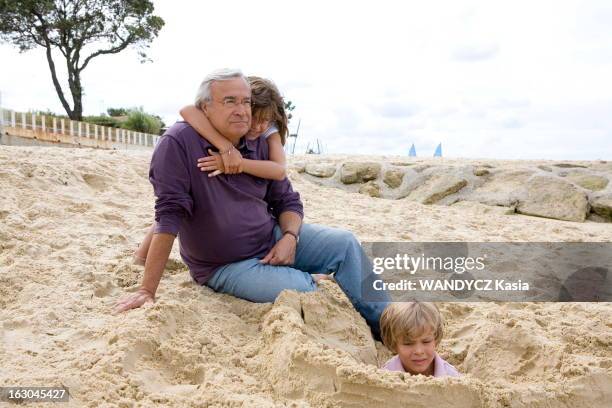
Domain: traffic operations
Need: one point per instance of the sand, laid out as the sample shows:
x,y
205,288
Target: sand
x,y
71,218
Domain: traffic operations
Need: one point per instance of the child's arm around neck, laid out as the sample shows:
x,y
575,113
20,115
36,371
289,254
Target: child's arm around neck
x,y
196,118
231,158
273,169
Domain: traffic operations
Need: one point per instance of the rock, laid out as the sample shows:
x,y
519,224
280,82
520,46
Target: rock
x,y
481,171
597,218
356,172
370,188
601,167
421,167
545,168
569,165
503,188
551,197
602,206
401,164
436,188
589,181
300,167
393,178
479,208
320,169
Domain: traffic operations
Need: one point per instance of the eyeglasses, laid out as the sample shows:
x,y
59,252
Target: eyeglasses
x,y
230,102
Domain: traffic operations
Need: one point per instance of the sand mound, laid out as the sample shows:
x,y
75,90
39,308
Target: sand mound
x,y
70,219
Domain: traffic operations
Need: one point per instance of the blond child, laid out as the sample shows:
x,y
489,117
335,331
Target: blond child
x,y
413,330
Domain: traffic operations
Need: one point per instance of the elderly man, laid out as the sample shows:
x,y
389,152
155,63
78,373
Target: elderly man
x,y
240,234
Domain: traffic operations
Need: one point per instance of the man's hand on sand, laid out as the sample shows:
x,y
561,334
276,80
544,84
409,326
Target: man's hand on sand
x,y
133,301
282,253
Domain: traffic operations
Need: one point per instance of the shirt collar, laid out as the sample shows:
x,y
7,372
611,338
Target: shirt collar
x,y
395,364
439,368
249,144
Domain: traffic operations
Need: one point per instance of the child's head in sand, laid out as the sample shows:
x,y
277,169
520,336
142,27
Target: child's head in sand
x,y
413,330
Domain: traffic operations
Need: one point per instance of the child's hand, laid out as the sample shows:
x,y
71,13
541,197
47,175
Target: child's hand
x,y
213,163
232,160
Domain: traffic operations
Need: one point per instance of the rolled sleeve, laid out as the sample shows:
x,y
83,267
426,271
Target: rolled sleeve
x,y
169,175
281,198
168,224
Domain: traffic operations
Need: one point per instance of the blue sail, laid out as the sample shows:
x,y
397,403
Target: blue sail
x,y
412,152
438,152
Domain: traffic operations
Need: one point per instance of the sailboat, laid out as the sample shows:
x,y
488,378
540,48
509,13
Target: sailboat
x,y
412,152
438,152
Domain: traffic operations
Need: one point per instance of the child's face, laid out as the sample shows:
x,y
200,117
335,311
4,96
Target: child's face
x,y
258,127
417,354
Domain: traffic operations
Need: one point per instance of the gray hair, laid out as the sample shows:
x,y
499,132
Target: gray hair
x,y
223,74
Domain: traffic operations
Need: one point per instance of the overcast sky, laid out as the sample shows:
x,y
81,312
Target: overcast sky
x,y
498,79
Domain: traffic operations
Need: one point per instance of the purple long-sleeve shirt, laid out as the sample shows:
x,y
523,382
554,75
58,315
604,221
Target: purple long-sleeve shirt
x,y
219,220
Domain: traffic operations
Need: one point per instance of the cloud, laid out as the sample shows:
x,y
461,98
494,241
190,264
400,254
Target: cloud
x,y
511,123
412,78
517,103
395,108
347,118
472,53
295,84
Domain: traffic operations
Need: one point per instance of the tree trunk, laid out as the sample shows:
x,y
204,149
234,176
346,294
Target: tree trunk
x,y
74,83
77,96
58,87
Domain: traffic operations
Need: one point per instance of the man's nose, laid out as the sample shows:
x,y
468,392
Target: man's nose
x,y
242,109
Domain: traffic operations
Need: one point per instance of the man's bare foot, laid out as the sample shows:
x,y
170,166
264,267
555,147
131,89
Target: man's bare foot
x,y
317,277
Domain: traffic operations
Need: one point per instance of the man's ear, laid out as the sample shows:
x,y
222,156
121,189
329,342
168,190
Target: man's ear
x,y
204,108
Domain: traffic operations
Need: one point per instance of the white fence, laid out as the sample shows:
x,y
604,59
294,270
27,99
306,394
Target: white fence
x,y
65,131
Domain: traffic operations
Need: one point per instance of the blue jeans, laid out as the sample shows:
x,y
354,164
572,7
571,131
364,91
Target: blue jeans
x,y
321,250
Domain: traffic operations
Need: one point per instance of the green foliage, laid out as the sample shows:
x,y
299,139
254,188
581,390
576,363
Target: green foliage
x,y
72,24
289,106
48,113
102,120
117,111
134,119
80,30
140,121
161,122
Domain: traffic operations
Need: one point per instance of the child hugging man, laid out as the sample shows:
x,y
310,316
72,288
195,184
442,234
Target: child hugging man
x,y
413,330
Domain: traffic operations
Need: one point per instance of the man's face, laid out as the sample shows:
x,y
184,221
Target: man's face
x,y
230,109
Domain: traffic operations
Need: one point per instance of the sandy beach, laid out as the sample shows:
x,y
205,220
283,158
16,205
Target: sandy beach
x,y
70,220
